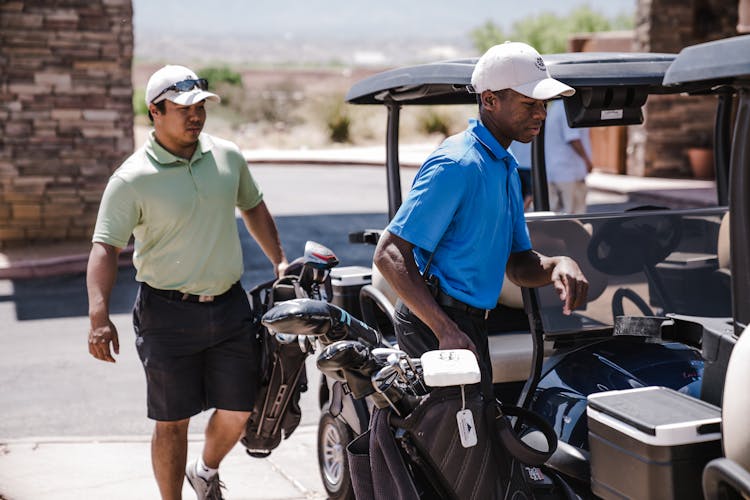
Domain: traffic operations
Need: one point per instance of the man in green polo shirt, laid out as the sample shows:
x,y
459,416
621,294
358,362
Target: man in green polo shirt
x,y
177,196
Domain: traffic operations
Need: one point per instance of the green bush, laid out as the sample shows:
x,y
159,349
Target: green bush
x,y
338,120
548,32
338,127
431,121
139,102
220,74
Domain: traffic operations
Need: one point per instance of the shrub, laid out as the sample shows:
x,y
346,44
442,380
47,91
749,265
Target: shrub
x,y
220,74
432,121
338,121
139,102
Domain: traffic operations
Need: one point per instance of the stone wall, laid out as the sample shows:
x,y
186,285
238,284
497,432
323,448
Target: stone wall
x,y
659,148
66,115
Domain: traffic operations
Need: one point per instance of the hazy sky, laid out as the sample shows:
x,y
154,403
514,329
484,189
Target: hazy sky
x,y
345,18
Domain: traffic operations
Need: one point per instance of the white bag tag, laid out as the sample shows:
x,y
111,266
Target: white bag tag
x,y
465,420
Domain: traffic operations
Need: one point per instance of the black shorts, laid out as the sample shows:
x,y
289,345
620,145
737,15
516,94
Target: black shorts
x,y
196,355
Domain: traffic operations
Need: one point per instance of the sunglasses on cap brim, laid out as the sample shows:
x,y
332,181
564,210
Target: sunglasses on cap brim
x,y
184,86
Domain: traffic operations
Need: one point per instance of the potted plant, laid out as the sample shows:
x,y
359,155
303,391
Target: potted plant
x,y
701,157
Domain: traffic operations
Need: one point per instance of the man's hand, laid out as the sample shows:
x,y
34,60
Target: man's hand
x,y
280,268
99,340
456,339
570,283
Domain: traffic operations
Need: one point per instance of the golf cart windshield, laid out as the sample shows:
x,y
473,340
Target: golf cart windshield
x,y
643,262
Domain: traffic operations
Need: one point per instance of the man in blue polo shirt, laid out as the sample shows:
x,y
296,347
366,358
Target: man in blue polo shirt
x,y
463,224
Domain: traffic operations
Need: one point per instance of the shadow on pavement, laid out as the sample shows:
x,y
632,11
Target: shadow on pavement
x,y
65,296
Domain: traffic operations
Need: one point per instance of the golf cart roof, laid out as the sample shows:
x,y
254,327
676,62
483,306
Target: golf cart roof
x,y
712,63
448,82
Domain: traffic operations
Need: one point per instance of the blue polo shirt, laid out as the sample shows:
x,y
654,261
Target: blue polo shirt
x,y
466,205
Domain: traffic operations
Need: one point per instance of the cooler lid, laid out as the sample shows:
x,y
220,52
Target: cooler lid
x,y
658,411
351,275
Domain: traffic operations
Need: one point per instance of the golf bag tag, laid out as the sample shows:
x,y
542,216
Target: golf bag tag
x,y
466,429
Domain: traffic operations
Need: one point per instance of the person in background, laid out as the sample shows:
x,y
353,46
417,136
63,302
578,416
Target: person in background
x,y
522,153
177,196
462,224
567,153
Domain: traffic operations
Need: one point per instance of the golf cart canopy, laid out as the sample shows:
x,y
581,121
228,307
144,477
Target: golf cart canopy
x,y
449,82
611,89
712,63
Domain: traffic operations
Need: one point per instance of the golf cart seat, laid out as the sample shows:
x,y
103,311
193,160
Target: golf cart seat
x,y
559,237
729,477
724,269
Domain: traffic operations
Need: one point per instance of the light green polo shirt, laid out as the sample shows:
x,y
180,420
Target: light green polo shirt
x,y
181,213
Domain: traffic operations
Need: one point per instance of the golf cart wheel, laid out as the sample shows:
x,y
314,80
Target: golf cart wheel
x,y
333,436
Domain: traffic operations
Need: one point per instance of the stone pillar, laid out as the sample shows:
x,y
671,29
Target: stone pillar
x,y
66,113
743,21
672,125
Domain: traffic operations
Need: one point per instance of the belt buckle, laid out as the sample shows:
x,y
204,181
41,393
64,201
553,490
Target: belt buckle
x,y
205,298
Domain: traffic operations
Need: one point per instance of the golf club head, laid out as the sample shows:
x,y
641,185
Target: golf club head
x,y
388,392
342,355
299,317
384,378
381,354
318,256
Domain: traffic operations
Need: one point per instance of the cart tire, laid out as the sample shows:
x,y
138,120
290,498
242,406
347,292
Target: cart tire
x,y
333,437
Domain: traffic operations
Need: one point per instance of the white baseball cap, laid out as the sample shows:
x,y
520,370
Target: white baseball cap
x,y
517,66
161,86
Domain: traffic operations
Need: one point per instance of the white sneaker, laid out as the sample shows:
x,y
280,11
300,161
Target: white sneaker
x,y
204,489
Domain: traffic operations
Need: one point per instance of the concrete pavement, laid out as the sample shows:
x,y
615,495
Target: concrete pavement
x,y
119,467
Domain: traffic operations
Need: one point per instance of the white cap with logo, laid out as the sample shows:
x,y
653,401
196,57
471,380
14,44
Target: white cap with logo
x,y
164,84
517,66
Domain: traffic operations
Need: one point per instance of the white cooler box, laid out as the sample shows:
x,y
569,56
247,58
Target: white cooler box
x,y
650,443
347,282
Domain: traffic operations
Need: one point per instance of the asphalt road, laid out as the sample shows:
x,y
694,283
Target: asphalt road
x,y
50,385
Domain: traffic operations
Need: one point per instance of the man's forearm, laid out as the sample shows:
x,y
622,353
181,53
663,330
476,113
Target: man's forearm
x,y
394,260
261,226
577,146
530,269
101,274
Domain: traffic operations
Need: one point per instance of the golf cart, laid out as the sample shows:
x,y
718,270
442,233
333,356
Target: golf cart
x,y
723,66
660,298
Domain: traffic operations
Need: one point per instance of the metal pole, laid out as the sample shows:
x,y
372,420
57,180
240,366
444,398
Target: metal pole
x,y
539,173
722,146
392,165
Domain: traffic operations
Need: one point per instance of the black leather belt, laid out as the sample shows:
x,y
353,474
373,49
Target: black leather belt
x,y
188,297
446,300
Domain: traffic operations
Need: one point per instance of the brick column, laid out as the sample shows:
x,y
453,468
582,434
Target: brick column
x,y
672,125
66,115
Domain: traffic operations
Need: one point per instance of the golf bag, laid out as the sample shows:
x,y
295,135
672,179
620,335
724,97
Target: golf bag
x,y
421,456
277,412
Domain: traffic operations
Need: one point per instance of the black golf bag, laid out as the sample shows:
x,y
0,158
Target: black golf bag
x,y
277,412
423,456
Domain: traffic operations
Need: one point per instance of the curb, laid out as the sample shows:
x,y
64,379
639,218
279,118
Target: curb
x,y
55,266
126,438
